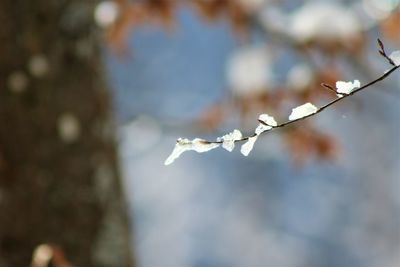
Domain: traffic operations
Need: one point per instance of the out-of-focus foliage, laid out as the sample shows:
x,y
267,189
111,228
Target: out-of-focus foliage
x,y
327,42
222,209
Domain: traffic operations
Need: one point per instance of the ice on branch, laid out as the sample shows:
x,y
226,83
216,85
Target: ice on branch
x,y
183,144
395,56
302,111
228,140
248,146
268,123
346,87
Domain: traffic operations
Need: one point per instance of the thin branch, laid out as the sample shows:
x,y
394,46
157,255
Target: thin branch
x,y
383,53
268,123
344,96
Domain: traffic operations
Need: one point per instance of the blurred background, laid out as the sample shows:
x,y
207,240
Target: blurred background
x,y
322,192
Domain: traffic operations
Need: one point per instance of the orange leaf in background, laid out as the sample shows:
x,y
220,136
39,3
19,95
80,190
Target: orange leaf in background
x,y
390,27
213,117
130,16
326,147
161,10
216,9
306,143
138,13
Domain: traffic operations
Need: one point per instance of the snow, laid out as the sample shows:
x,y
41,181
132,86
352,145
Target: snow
x,y
248,146
228,140
324,20
249,70
302,111
346,87
395,56
268,120
183,144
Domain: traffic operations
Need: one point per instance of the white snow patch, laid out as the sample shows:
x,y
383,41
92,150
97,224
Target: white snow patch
x,y
268,120
183,144
228,140
302,111
346,87
248,146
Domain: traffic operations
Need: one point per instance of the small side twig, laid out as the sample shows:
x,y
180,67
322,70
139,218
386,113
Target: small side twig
x,y
383,53
329,87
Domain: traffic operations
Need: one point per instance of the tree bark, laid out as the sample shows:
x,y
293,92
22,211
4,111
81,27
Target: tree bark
x,y
59,181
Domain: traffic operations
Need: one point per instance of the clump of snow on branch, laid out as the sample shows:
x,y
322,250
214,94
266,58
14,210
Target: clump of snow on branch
x,y
325,21
228,140
268,123
346,87
183,144
249,70
302,111
248,146
395,57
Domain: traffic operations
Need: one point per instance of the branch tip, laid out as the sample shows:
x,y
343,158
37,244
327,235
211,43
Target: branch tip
x,y
329,87
381,44
382,52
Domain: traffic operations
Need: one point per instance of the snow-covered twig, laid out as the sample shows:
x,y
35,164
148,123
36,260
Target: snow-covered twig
x,y
267,123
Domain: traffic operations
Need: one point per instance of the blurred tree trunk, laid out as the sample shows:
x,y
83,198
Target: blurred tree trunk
x,y
59,182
